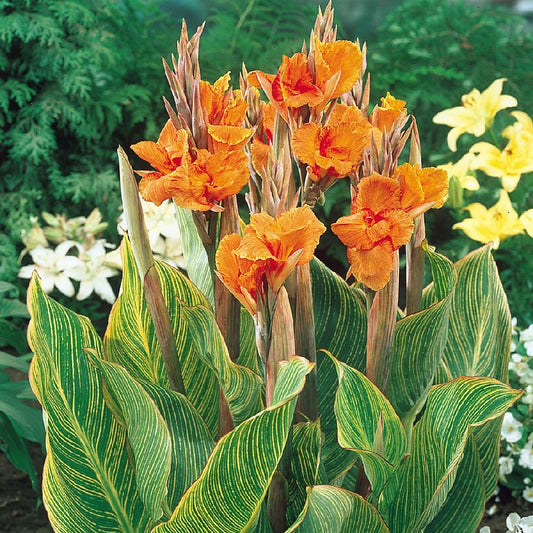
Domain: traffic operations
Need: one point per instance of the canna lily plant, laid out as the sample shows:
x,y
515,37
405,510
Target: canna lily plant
x,y
263,392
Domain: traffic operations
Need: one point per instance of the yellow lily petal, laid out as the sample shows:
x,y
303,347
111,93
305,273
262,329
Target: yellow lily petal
x,y
476,113
462,170
527,221
494,224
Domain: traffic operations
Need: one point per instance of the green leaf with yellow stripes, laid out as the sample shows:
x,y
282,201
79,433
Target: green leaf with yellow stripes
x,y
130,339
148,435
197,264
465,505
305,465
419,342
337,510
229,493
340,327
418,489
192,442
479,336
340,317
368,425
241,386
88,481
479,341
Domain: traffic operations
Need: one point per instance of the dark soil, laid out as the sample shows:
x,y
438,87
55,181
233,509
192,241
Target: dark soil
x,y
18,501
19,512
506,505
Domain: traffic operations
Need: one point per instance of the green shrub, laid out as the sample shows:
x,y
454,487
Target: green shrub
x,y
79,79
430,52
257,33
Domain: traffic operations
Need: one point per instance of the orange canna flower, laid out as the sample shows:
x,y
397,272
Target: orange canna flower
x,y
292,86
337,67
242,277
363,265
199,185
377,227
384,116
225,111
422,188
336,149
167,153
283,242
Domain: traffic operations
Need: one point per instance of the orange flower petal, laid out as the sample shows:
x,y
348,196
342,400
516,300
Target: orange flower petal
x,y
235,111
260,152
293,84
421,188
336,149
364,230
372,267
384,116
199,185
305,143
152,153
290,238
377,193
352,230
343,57
228,137
153,188
229,174
165,155
212,98
241,277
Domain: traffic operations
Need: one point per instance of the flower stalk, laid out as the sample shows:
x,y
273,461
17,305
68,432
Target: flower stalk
x,y
413,249
382,312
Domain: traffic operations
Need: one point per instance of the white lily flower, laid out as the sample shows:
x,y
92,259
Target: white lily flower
x,y
526,455
516,524
511,428
53,267
92,273
506,465
163,232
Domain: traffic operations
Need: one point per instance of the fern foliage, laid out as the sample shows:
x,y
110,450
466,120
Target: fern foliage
x,y
256,32
78,78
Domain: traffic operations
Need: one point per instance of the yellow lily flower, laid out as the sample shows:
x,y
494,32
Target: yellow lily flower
x,y
462,170
494,224
476,113
515,159
523,127
507,164
526,219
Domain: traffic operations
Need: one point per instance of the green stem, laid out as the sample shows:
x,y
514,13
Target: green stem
x,y
381,326
305,341
415,267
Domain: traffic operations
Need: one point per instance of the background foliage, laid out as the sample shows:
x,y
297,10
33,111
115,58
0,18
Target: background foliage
x,y
77,81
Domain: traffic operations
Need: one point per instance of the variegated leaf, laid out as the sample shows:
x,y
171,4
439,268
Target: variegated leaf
x,y
229,493
479,341
419,487
305,465
368,425
130,338
148,435
197,264
88,481
465,505
340,326
335,510
419,341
